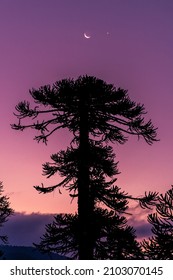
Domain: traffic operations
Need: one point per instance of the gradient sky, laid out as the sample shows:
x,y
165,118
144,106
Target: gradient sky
x,y
42,41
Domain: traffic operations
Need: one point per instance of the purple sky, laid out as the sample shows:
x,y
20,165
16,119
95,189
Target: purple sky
x,y
42,41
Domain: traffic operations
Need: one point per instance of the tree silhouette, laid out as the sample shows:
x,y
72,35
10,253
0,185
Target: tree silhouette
x,y
95,112
112,237
5,212
160,245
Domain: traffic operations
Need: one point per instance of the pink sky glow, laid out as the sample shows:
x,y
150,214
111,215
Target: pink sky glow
x,y
41,42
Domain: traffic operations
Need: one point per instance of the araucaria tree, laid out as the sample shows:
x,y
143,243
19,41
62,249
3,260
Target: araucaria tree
x,y
95,113
5,212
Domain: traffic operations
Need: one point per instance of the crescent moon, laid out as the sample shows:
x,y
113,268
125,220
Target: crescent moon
x,y
87,36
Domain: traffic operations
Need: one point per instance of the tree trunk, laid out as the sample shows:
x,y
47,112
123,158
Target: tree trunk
x,y
84,211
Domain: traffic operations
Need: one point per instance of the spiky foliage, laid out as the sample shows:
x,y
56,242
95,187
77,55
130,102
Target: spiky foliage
x,y
5,212
111,114
102,171
101,167
160,245
112,238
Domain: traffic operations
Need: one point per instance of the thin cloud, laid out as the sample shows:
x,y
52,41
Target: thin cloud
x,y
23,229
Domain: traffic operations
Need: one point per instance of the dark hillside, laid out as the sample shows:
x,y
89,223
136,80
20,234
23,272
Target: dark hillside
x,y
26,253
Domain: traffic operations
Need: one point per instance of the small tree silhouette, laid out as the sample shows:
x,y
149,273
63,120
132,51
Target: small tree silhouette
x,y
5,212
160,246
95,112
